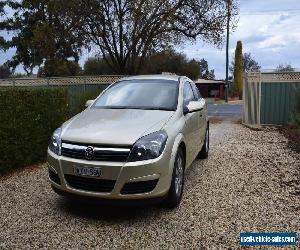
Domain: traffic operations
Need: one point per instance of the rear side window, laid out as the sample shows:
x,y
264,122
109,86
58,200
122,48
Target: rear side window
x,y
196,91
188,94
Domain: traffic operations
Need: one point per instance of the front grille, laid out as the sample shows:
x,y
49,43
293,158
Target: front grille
x,y
139,187
119,154
90,184
54,177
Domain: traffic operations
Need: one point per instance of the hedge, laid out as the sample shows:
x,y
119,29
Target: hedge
x,y
27,119
77,100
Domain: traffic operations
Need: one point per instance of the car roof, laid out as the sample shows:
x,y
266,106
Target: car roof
x,y
149,77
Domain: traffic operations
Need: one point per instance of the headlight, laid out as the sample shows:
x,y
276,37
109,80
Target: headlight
x,y
55,142
148,147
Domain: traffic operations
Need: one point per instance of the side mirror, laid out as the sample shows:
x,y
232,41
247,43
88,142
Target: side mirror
x,y
89,103
194,106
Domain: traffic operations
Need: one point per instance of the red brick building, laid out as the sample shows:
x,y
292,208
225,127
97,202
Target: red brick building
x,y
211,88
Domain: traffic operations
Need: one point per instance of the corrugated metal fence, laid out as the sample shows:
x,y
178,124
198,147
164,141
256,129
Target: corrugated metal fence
x,y
269,97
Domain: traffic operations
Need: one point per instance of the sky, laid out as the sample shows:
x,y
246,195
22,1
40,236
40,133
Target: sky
x,y
268,29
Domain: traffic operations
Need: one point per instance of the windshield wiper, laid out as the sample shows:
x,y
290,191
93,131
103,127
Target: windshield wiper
x,y
111,107
165,109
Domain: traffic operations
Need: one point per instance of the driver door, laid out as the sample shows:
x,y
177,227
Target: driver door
x,y
202,117
191,124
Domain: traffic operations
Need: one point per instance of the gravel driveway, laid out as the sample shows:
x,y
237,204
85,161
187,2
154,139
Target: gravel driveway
x,y
250,183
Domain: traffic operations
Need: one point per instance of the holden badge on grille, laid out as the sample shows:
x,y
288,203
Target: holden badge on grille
x,y
89,153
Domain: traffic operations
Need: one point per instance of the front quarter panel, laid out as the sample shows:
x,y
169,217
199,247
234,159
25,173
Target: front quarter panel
x,y
178,140
174,129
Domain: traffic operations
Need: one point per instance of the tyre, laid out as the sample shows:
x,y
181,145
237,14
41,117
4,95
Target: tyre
x,y
176,189
203,154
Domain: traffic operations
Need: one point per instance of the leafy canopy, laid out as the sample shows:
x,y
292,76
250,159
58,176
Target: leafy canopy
x,y
167,60
41,32
5,72
284,68
124,32
249,63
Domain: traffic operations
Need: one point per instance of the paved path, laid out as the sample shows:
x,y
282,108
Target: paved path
x,y
225,110
248,184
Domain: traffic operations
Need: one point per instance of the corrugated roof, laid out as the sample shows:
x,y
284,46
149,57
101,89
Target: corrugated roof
x,y
208,81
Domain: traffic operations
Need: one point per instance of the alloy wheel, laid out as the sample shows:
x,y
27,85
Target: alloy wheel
x,y
178,175
206,140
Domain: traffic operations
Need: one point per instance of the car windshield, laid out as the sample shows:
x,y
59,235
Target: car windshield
x,y
156,94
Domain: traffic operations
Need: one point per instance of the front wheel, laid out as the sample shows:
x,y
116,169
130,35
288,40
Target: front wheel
x,y
203,154
175,193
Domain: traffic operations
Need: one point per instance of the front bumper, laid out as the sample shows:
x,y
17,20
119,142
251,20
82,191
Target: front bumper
x,y
122,173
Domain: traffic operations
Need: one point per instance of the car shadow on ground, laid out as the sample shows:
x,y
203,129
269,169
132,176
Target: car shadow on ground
x,y
108,213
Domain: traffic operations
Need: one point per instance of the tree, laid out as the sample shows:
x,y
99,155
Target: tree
x,y
59,68
238,70
284,68
205,73
4,71
42,33
192,69
249,63
167,60
126,32
96,66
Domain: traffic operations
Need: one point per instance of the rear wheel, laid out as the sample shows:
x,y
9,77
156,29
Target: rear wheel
x,y
203,154
175,193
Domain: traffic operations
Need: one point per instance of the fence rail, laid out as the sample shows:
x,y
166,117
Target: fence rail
x,y
273,76
59,81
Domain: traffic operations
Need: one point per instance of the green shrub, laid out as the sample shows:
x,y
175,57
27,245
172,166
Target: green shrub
x,y
77,101
27,119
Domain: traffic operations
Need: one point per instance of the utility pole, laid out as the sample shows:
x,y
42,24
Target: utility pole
x,y
227,48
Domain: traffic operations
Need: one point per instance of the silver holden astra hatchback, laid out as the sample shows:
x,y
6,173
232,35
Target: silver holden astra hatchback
x,y
133,142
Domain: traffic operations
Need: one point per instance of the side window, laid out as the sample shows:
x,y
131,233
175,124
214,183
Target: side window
x,y
188,94
196,91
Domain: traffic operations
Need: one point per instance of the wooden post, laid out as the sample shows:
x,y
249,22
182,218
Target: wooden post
x,y
227,48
